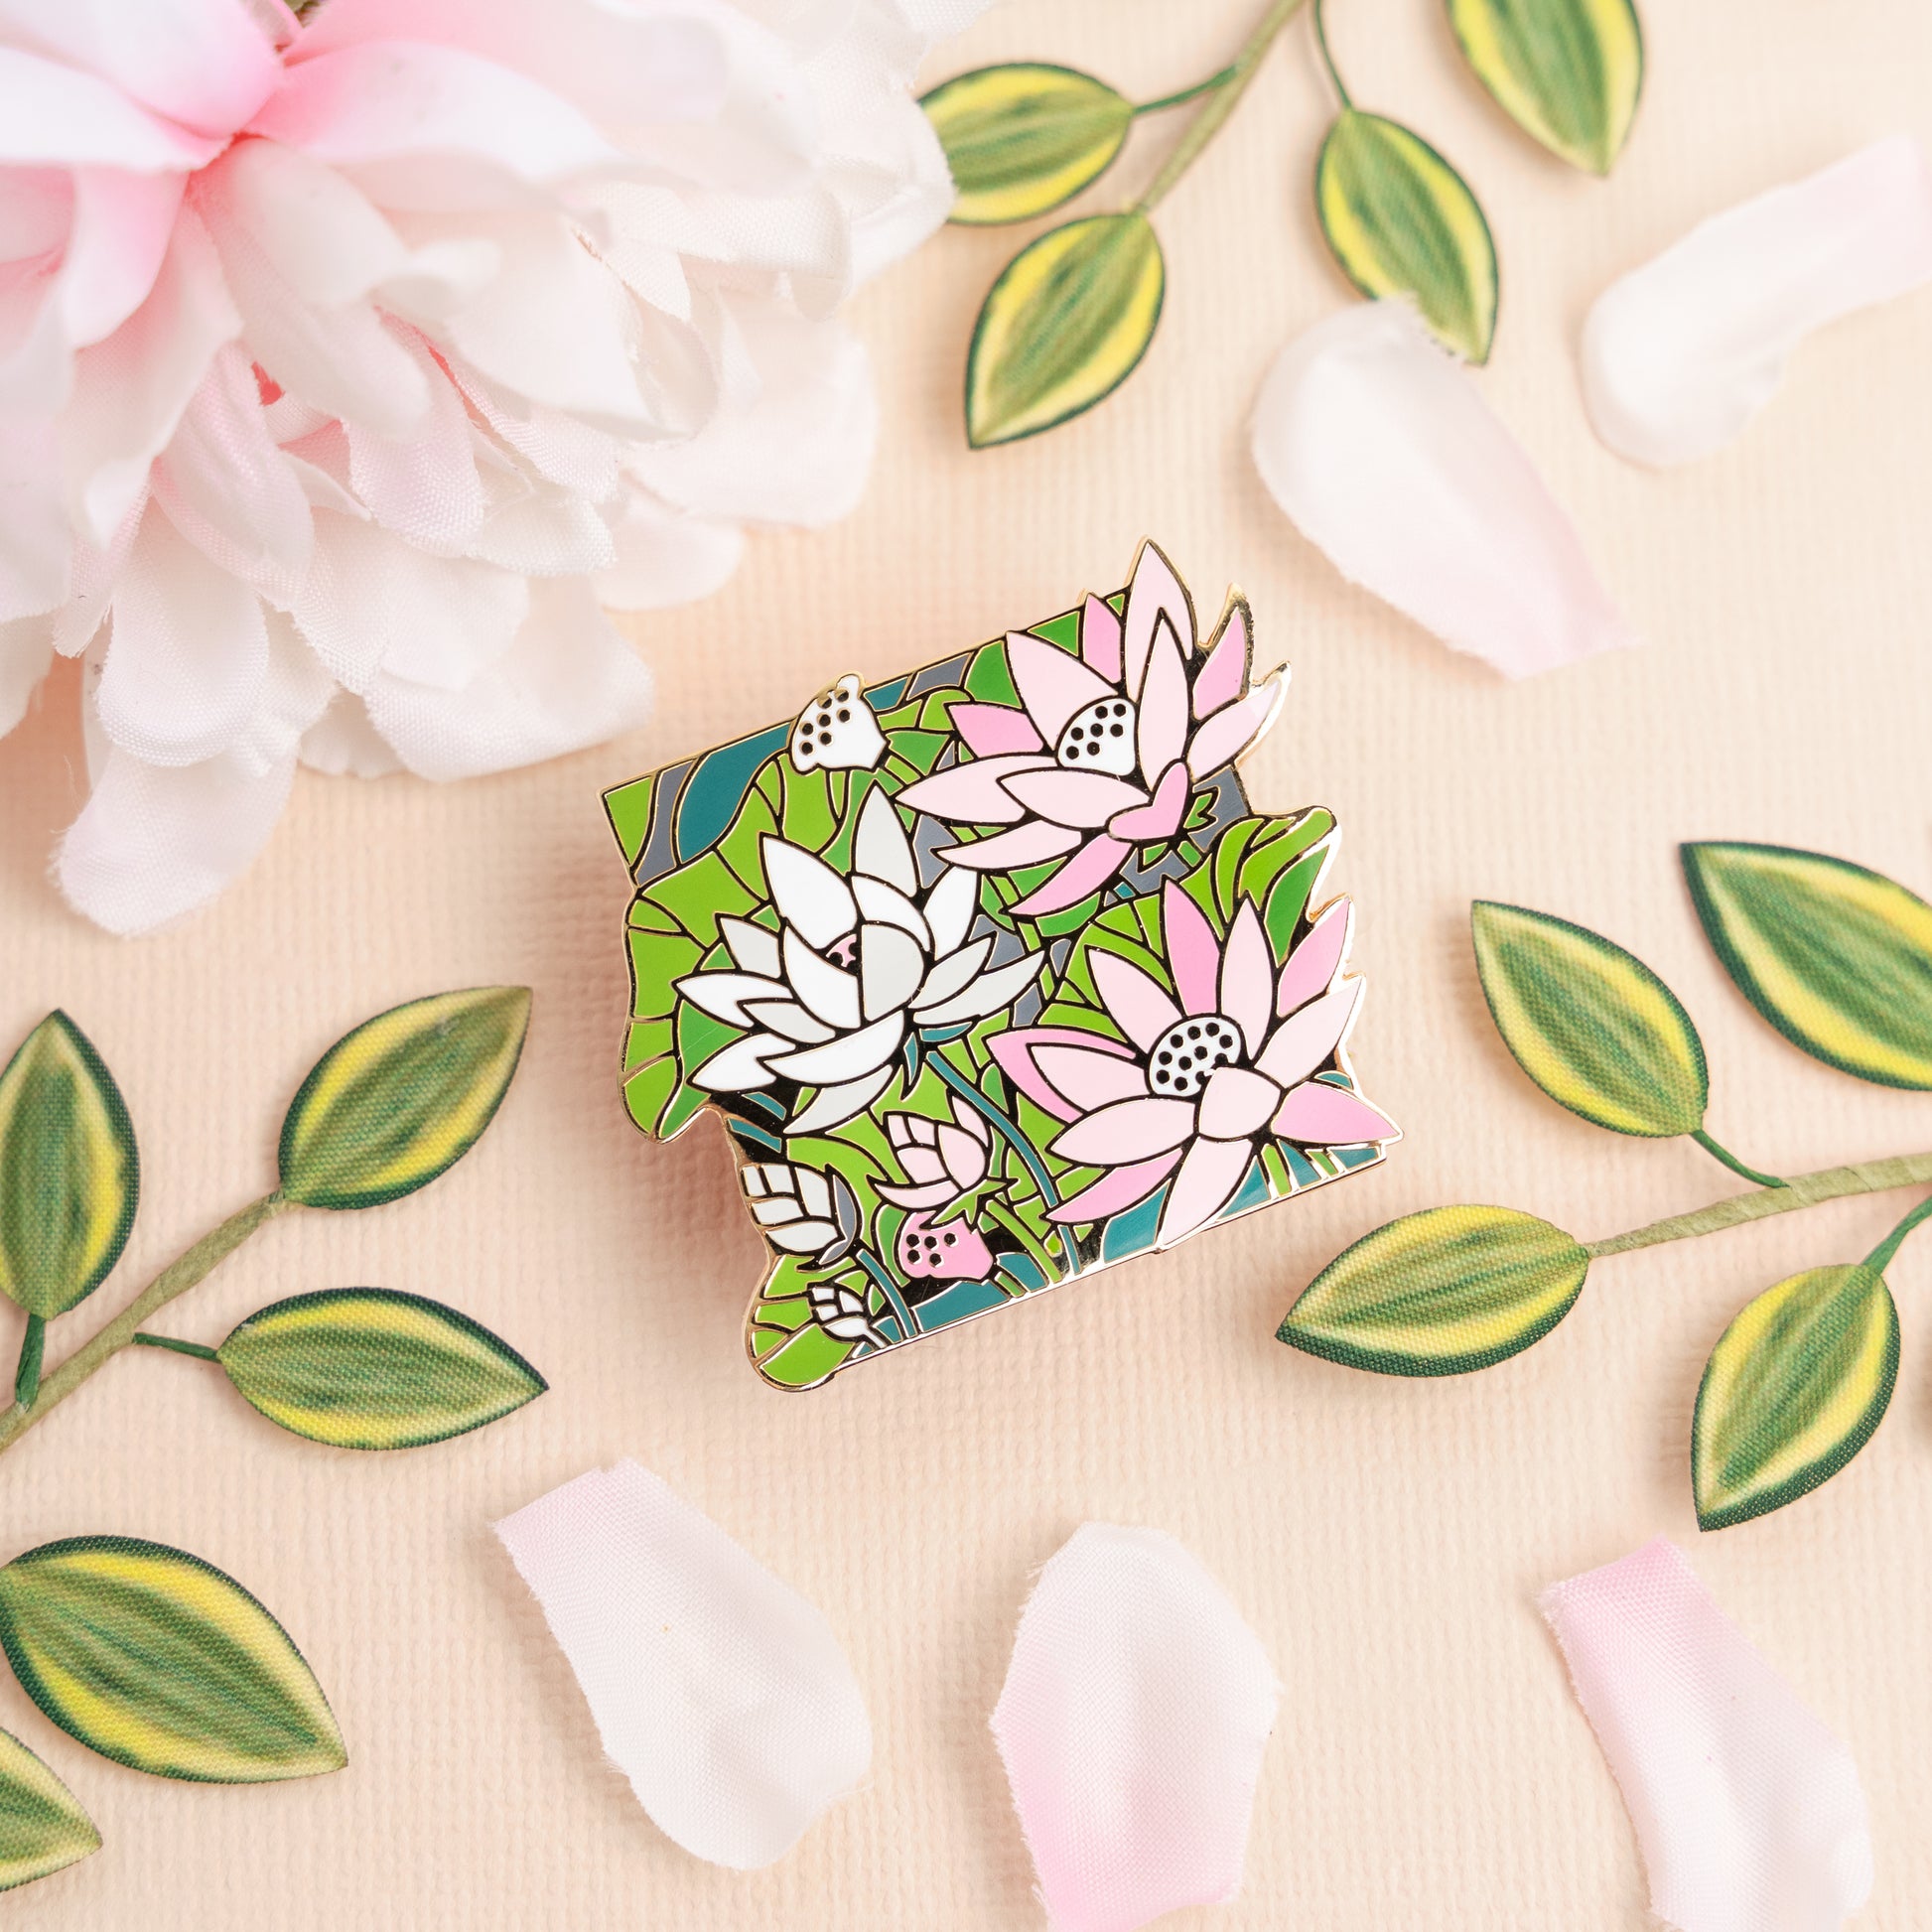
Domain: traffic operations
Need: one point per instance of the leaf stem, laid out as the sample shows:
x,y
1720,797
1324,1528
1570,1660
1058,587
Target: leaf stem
x,y
1801,1190
1199,87
27,1377
179,1347
1219,104
177,1278
1327,58
1879,1259
1730,1161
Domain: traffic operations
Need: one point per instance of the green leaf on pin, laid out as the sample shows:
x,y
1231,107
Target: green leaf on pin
x,y
1024,137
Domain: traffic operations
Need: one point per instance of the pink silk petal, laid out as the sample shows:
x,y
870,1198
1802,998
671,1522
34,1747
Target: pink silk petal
x,y
1116,1189
1232,729
1125,1130
1160,818
989,729
1193,952
1319,1115
1030,844
1086,799
1052,683
1223,674
1100,639
1155,593
1015,1054
1088,1079
1206,1183
1315,961
1086,872
1304,1041
1248,977
1162,734
971,794
1138,1004
1132,1725
1748,1810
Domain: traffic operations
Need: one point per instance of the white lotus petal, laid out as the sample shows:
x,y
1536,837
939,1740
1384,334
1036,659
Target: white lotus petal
x,y
954,972
723,995
741,1067
814,1195
852,1057
888,905
809,895
827,990
718,1691
892,963
988,993
788,1017
880,847
1681,354
802,1237
755,948
1382,452
949,908
835,1105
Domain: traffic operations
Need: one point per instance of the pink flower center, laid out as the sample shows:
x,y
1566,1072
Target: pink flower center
x,y
844,952
1099,738
1189,1050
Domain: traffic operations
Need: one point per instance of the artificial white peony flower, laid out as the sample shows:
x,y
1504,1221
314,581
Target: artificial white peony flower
x,y
349,365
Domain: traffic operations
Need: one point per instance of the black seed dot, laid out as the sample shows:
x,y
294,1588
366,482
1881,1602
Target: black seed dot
x,y
1115,729
843,716
1193,1033
950,1237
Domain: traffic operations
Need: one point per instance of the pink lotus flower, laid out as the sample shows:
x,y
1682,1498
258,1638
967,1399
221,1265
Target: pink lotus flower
x,y
1111,744
943,1162
1204,1081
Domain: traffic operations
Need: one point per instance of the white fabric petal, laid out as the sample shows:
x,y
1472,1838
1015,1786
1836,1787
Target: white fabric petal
x,y
1132,1725
26,650
1749,1811
718,1690
36,543
344,743
58,116
1382,452
1681,354
424,484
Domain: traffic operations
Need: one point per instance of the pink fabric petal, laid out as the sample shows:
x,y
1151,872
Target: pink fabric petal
x,y
1086,872
988,729
1306,1038
1232,729
1132,1725
1206,1183
1052,683
1127,1130
1015,1054
1155,593
1100,636
1140,1007
1223,674
1162,733
1085,799
1032,844
1089,1079
1248,977
1320,1115
1236,1102
116,249
58,116
1748,1810
1193,952
1316,960
1160,817
972,794
1118,1189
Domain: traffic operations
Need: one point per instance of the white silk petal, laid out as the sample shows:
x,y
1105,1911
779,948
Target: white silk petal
x,y
1382,452
35,546
664,559
1132,1725
718,1691
58,116
1749,1811
1681,354
26,650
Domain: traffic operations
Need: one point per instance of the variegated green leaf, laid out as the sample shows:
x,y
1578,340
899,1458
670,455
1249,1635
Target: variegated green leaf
x,y
1439,1293
1792,1392
160,1661
69,1176
393,1104
1402,222
1837,958
41,1828
1568,73
373,1369
1023,138
1064,325
1590,1024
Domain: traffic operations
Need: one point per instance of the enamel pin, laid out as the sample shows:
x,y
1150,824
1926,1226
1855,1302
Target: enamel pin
x,y
992,974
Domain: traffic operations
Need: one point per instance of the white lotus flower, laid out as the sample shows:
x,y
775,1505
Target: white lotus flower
x,y
348,365
829,998
801,1210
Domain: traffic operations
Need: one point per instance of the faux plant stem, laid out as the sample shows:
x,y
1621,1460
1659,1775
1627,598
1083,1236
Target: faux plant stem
x,y
177,1278
1187,94
1327,58
1220,104
1800,1190
1721,1153
1879,1259
174,1345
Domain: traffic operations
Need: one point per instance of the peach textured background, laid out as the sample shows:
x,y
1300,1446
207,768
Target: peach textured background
x,y
1386,1539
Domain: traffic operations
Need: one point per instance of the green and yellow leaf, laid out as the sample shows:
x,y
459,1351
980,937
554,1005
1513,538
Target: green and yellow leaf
x,y
158,1660
1064,325
42,1828
1837,958
1439,1293
405,1096
1568,73
1590,1024
1400,221
69,1176
1023,138
372,1369
1792,1392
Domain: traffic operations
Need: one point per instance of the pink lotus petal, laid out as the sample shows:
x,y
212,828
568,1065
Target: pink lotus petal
x,y
988,729
1030,844
1100,639
1083,799
1161,732
972,794
1014,1054
1088,1079
1086,872
1206,1183
1232,729
1118,1189
965,1156
1316,960
1306,1038
1132,1726
1140,1007
968,1120
956,1252
1155,593
1125,1131
925,1193
1236,1102
1052,683
1248,977
1320,1115
1223,674
1749,1811
1160,817
1193,952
